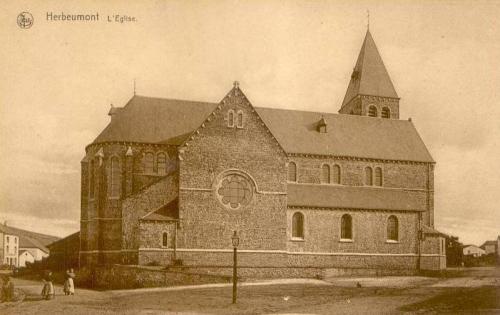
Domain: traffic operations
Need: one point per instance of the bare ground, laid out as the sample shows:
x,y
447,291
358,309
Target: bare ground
x,y
478,291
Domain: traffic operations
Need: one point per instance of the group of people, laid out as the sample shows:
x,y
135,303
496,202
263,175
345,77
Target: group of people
x,y
48,291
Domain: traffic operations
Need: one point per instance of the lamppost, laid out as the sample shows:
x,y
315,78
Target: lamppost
x,y
236,241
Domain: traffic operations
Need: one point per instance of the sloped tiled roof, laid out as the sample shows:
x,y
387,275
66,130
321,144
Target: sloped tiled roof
x,y
354,197
167,212
432,231
63,242
370,76
43,239
28,242
348,135
494,243
154,120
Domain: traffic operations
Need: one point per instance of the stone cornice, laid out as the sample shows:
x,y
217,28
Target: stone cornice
x,y
350,209
379,98
139,144
354,158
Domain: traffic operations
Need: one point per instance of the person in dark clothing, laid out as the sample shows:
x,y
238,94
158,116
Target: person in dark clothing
x,y
7,289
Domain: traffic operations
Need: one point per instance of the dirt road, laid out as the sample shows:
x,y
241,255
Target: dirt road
x,y
477,291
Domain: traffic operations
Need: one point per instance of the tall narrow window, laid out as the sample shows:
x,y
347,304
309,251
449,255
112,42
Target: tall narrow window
x,y
336,174
292,172
91,179
378,176
115,177
239,122
298,225
164,242
346,227
386,112
149,161
230,118
372,111
162,163
368,176
325,174
392,228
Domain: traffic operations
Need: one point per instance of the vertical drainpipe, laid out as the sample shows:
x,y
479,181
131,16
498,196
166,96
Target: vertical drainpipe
x,y
420,236
175,241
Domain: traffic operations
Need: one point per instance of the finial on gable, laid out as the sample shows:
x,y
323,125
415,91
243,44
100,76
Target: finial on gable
x,y
236,84
368,20
129,151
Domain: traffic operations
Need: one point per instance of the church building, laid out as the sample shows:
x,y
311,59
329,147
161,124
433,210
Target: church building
x,y
169,181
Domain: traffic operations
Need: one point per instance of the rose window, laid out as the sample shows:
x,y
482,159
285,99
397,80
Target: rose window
x,y
234,191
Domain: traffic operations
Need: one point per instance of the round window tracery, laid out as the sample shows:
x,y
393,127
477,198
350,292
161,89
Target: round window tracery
x,y
234,191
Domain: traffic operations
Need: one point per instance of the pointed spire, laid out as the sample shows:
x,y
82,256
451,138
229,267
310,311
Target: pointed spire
x,y
369,76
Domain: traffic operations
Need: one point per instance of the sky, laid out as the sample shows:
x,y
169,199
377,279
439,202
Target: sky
x,y
59,79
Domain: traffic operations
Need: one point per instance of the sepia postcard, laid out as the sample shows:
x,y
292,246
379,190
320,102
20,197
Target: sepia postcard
x,y
249,157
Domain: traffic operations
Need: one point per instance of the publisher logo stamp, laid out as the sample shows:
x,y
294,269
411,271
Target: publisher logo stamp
x,y
25,20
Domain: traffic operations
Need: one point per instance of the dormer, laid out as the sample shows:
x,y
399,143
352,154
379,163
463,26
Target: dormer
x,y
321,126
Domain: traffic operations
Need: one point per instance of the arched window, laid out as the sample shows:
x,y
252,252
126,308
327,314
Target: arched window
x,y
325,174
149,162
392,228
298,225
372,111
115,177
346,227
230,118
91,179
378,176
239,122
162,163
292,172
164,242
386,112
368,176
336,174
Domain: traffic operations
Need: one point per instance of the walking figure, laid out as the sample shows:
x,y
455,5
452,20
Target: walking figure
x,y
48,291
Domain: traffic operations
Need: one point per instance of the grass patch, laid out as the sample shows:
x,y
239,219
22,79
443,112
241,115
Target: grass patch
x,y
459,299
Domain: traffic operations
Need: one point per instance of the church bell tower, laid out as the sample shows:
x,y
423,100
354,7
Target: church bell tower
x,y
370,91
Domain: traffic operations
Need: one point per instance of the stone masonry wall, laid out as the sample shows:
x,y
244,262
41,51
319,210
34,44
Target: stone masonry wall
x,y
151,234
380,102
138,205
101,213
253,153
394,175
434,253
369,232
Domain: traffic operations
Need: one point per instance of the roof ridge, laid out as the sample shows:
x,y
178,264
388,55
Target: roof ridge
x,y
172,99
